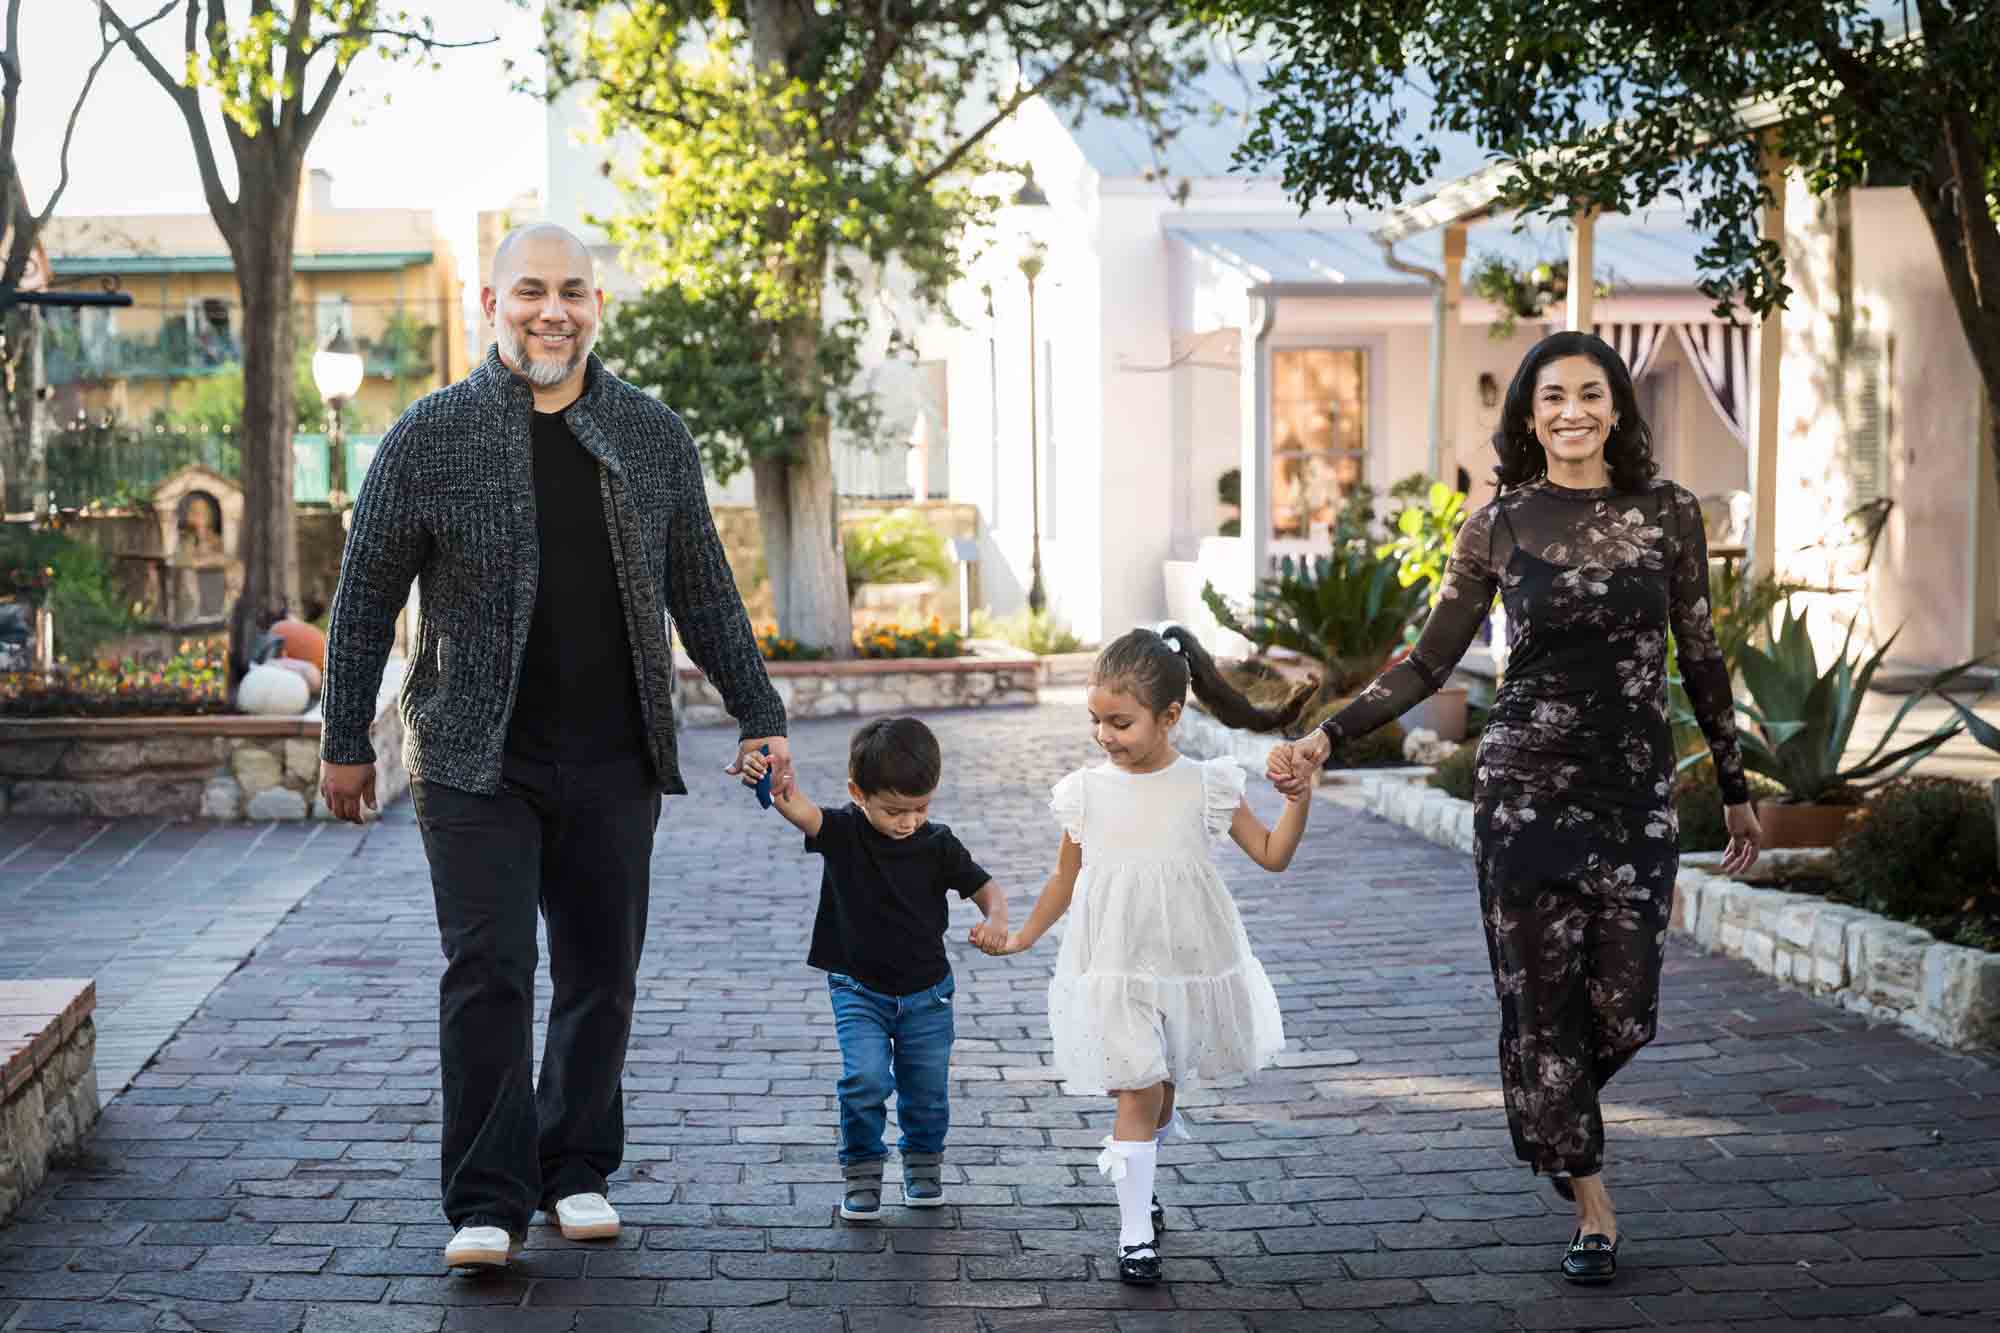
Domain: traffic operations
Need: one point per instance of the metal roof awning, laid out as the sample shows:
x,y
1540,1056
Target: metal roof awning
x,y
1638,254
104,266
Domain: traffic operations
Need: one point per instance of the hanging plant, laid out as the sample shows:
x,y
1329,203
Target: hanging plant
x,y
1522,293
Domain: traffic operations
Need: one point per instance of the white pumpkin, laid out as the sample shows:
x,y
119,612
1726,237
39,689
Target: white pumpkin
x,y
273,691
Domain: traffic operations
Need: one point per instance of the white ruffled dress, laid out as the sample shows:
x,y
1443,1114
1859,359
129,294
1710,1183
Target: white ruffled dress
x,y
1155,981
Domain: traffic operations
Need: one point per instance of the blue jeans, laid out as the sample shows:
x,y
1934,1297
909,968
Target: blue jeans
x,y
892,1043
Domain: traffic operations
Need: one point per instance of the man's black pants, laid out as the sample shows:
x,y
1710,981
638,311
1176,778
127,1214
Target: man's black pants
x,y
573,840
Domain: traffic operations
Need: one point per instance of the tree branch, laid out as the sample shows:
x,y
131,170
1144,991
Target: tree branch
x,y
76,111
425,40
219,204
1026,94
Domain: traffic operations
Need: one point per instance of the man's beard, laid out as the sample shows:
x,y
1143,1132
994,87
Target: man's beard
x,y
541,372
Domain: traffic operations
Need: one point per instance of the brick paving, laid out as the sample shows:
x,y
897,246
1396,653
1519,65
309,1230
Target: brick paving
x,y
1777,1163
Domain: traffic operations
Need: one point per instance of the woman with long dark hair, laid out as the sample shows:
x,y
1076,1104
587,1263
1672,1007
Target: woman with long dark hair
x,y
1596,561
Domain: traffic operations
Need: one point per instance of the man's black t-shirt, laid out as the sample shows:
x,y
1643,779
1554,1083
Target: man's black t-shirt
x,y
577,700
882,909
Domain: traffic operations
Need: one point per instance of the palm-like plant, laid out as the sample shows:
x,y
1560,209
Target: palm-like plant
x,y
899,547
1346,611
1803,718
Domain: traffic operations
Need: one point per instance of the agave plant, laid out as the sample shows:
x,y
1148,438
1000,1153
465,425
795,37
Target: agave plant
x,y
1346,611
1803,718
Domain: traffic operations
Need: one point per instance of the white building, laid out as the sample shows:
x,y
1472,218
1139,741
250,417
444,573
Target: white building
x,y
1176,341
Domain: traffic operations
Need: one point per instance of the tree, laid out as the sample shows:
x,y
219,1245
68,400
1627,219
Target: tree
x,y
793,155
22,464
1611,104
262,67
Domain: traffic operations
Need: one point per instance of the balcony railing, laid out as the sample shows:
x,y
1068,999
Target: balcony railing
x,y
120,465
396,340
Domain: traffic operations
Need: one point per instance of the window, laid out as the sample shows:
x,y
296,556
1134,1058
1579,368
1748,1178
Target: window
x,y
1319,435
332,312
1866,455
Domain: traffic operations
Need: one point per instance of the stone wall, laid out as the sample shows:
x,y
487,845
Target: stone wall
x,y
871,688
1894,973
231,767
46,1118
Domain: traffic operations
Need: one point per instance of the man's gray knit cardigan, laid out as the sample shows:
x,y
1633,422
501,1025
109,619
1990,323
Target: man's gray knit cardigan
x,y
450,502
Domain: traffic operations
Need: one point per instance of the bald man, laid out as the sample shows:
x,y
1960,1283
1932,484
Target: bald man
x,y
552,516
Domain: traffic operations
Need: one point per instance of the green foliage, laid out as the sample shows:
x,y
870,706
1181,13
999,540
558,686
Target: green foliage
x,y
1922,850
1038,632
1521,294
1624,104
1740,607
81,595
1454,775
1802,718
901,546
1424,536
213,404
1346,611
788,154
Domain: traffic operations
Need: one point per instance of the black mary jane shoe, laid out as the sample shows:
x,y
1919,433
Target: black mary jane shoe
x,y
1159,1218
1139,1264
1592,1260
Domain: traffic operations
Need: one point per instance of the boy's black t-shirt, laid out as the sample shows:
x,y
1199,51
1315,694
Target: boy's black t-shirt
x,y
882,908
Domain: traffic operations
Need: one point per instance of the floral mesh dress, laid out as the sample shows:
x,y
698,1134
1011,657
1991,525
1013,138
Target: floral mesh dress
x,y
1573,799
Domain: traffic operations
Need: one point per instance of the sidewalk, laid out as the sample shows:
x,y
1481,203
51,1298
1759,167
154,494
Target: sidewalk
x,y
1776,1163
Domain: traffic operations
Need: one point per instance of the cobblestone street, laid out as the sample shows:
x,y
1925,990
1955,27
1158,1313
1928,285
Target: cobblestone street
x,y
1776,1162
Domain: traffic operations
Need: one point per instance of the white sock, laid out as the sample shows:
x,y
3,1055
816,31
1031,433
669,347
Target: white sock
x,y
1131,1167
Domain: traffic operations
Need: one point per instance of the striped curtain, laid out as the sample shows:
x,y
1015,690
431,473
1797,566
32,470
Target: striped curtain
x,y
1636,345
1720,355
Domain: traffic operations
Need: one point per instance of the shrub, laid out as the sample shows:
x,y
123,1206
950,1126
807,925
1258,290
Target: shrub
x,y
185,685
1923,850
1455,775
1038,632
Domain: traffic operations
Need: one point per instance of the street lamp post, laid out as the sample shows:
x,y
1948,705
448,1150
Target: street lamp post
x,y
1031,268
337,369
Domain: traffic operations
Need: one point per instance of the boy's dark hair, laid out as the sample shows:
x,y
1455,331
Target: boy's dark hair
x,y
894,754
1158,668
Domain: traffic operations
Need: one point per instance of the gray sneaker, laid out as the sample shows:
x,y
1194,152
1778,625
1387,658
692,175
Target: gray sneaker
x,y
923,1179
863,1200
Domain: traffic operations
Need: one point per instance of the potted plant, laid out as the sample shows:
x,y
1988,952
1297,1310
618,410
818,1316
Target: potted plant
x,y
1801,721
1345,611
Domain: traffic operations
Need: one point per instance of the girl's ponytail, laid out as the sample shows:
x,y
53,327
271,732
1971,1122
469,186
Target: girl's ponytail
x,y
1225,702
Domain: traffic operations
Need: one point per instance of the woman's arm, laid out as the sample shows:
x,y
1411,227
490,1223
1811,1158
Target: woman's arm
x,y
1272,848
1464,601
1053,902
1704,670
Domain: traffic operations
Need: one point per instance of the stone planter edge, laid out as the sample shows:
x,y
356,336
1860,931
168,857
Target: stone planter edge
x,y
1888,970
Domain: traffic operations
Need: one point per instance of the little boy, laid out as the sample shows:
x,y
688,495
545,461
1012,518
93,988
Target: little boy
x,y
879,937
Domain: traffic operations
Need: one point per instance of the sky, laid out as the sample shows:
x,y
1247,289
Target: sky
x,y
455,140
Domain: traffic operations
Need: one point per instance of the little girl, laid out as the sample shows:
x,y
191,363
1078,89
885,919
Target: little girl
x,y
1155,988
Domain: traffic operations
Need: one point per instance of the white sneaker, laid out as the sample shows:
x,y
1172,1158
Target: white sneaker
x,y
586,1217
481,1247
